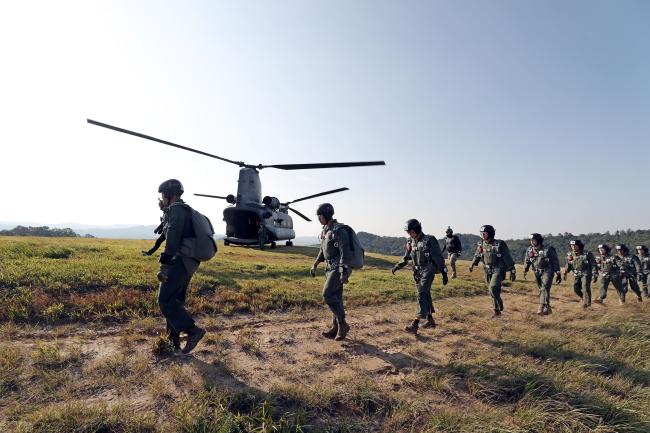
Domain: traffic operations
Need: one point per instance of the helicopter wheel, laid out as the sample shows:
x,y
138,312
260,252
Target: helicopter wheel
x,y
289,243
226,243
273,244
262,241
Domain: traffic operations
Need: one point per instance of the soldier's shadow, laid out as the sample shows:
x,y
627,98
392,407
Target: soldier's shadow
x,y
398,360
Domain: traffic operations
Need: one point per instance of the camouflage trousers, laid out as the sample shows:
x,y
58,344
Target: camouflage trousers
x,y
171,297
453,257
493,278
333,295
616,282
582,288
544,282
643,278
632,283
423,282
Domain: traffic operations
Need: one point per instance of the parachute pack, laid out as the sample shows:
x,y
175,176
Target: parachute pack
x,y
353,252
202,246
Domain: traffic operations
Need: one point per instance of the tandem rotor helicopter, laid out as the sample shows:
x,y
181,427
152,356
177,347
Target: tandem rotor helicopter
x,y
251,219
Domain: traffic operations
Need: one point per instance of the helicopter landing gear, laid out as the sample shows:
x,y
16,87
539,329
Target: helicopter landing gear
x,y
289,244
273,245
262,239
226,243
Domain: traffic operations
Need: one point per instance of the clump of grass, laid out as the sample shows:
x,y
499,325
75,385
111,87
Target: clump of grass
x,y
250,343
50,357
79,418
11,368
162,347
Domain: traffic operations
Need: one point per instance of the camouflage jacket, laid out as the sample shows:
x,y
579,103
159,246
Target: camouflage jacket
x,y
425,253
494,254
332,241
629,265
583,263
542,260
644,262
452,244
607,264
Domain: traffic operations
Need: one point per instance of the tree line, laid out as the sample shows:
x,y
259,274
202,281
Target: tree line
x,y
43,231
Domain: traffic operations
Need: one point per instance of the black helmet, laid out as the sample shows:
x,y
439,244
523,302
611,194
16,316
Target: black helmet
x,y
449,231
488,229
577,242
171,187
414,225
605,247
622,247
536,236
326,210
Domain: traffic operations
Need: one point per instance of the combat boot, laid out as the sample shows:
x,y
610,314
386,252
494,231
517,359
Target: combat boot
x,y
413,327
344,328
598,301
332,331
453,275
175,339
548,310
430,323
540,310
639,298
497,313
194,335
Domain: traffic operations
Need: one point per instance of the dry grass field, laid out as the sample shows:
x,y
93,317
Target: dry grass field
x,y
80,350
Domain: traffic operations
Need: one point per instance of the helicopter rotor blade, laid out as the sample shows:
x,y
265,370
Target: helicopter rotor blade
x,y
322,165
158,140
212,196
299,214
317,195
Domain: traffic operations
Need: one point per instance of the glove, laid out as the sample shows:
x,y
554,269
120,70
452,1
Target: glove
x,y
558,278
471,268
513,275
445,278
395,269
312,271
565,274
165,259
145,253
162,274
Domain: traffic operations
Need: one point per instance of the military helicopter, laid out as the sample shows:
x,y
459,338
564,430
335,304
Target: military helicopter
x,y
252,219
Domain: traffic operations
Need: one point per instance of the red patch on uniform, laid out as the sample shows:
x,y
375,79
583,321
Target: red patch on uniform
x,y
480,250
531,253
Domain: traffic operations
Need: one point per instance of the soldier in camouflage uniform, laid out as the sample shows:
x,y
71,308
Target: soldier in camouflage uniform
x,y
583,265
609,273
496,258
177,270
644,270
427,258
333,240
545,264
453,248
629,266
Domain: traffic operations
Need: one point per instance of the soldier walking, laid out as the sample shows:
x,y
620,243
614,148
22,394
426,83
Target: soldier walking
x,y
583,265
644,270
545,264
497,260
333,242
176,270
453,248
425,253
609,273
629,266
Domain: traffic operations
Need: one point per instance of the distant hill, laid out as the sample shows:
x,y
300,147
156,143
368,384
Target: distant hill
x,y
43,231
395,245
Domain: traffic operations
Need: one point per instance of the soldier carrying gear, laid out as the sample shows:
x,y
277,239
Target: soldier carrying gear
x,y
607,266
644,269
333,239
496,258
583,265
545,264
173,290
424,251
629,268
453,248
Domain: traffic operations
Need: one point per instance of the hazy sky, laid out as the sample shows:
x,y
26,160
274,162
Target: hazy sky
x,y
531,116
